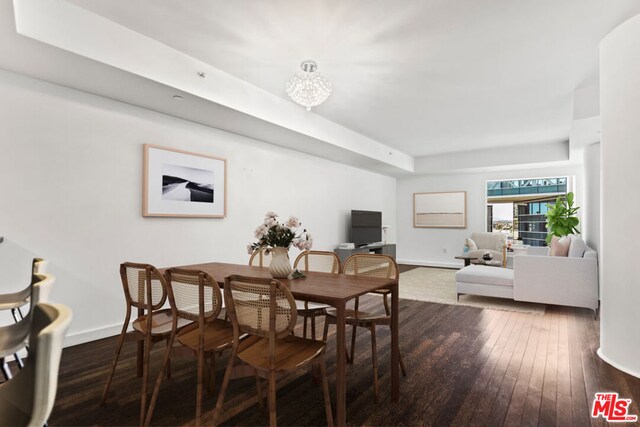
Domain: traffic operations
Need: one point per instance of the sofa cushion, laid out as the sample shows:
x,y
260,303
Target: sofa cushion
x,y
485,275
577,248
560,247
471,245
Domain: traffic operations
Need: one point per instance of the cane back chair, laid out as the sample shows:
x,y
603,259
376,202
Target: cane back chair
x,y
265,310
195,296
144,289
323,262
260,258
371,265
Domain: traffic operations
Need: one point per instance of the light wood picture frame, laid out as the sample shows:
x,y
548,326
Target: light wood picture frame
x,y
178,183
440,210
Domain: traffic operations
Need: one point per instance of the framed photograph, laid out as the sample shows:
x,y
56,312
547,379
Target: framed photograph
x,y
440,210
183,184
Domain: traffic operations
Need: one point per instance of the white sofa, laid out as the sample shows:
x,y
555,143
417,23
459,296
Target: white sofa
x,y
570,280
538,277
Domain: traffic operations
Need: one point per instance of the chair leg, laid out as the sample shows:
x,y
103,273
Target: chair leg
x,y
18,360
225,383
402,367
353,344
304,325
325,392
325,333
6,372
211,377
387,309
272,398
145,378
199,390
374,360
169,361
156,389
115,360
259,390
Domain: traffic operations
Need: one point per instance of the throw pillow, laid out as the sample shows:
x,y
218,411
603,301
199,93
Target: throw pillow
x,y
560,247
577,248
471,245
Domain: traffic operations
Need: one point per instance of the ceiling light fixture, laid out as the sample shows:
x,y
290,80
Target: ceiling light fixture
x,y
309,88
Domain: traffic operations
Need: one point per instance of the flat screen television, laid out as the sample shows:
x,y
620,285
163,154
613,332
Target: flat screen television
x,y
366,227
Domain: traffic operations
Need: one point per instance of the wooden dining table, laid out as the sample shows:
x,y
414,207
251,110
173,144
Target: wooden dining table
x,y
335,290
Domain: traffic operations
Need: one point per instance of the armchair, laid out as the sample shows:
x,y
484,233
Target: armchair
x,y
494,243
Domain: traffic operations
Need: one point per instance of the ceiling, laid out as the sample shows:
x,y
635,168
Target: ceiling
x,y
424,77
420,87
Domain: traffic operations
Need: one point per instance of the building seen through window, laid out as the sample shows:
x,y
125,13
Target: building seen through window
x,y
517,207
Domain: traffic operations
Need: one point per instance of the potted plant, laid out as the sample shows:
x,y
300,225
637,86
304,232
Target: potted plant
x,y
561,217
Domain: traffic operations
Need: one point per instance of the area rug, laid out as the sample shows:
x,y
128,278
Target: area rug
x,y
439,285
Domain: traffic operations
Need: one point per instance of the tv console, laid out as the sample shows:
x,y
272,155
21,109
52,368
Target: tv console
x,y
377,248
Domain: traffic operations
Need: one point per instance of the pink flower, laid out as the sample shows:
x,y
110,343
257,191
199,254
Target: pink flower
x,y
261,231
293,222
271,214
270,221
249,248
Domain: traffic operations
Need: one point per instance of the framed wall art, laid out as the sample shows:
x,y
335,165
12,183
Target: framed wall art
x,y
183,184
440,210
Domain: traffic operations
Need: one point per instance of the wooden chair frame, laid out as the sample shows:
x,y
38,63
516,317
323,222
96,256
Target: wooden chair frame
x,y
272,336
201,280
260,255
145,339
365,320
302,262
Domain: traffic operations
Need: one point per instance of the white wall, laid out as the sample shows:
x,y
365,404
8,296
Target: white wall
x,y
71,173
424,246
619,106
591,214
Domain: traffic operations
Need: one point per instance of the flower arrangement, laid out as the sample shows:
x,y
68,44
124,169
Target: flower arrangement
x,y
271,234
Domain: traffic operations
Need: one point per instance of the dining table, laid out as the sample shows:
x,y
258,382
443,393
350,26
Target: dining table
x,y
335,290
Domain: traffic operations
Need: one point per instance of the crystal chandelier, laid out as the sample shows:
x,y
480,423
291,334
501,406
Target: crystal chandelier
x,y
309,88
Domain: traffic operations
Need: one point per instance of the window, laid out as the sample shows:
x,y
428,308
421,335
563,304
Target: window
x,y
517,207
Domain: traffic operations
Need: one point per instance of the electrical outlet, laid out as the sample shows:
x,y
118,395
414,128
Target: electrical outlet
x,y
444,250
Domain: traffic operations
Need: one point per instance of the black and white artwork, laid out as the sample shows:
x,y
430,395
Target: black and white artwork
x,y
183,184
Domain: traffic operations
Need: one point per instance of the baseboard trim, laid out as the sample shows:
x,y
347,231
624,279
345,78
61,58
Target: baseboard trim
x,y
616,365
82,337
455,265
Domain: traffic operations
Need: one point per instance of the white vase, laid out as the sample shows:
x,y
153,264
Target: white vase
x,y
280,267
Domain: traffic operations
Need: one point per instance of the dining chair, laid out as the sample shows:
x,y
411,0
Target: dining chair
x,y
15,301
27,399
266,311
195,297
260,258
371,265
37,291
323,262
144,289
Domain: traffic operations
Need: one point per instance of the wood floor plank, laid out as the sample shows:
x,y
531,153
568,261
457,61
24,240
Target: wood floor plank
x,y
579,402
518,397
550,385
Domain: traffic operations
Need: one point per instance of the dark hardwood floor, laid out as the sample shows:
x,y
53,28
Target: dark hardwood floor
x,y
466,366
